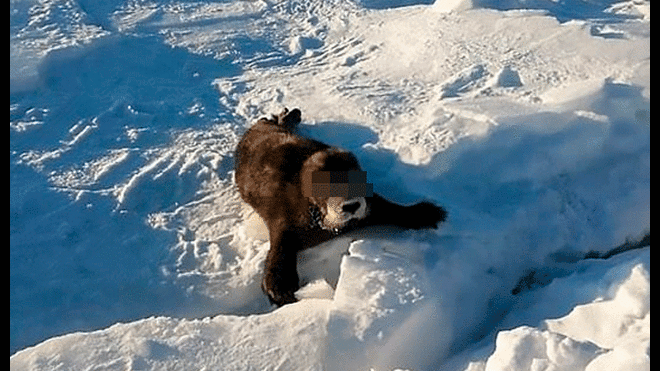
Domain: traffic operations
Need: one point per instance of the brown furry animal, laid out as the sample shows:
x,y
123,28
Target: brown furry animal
x,y
307,192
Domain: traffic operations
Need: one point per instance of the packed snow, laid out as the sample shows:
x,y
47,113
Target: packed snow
x,y
528,120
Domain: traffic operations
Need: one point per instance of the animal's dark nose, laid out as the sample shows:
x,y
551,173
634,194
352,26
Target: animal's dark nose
x,y
350,207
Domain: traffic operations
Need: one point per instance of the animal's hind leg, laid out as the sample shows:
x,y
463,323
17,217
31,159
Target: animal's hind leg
x,y
289,119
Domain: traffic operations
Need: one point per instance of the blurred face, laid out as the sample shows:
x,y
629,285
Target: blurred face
x,y
340,196
336,187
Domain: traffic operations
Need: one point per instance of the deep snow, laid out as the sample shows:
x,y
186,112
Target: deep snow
x,y
528,120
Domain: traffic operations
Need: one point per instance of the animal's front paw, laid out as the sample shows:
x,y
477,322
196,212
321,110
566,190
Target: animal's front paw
x,y
279,288
426,215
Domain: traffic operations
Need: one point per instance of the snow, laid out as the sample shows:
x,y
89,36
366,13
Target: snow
x,y
580,340
528,120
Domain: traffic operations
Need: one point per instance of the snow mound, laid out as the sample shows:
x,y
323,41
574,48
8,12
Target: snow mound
x,y
223,342
526,348
52,25
508,78
610,333
384,314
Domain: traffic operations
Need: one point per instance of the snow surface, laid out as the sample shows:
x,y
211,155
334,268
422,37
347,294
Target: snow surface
x,y
528,120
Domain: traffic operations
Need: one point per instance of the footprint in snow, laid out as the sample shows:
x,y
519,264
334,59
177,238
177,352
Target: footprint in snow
x,y
478,76
466,80
508,78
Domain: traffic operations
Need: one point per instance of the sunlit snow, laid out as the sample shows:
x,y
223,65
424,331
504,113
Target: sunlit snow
x,y
130,248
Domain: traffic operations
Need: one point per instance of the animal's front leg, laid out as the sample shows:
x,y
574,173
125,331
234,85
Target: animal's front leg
x,y
421,215
280,280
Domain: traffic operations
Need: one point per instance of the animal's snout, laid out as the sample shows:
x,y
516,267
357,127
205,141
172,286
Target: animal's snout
x,y
340,211
351,207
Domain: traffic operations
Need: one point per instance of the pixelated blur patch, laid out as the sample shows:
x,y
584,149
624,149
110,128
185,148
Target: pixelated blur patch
x,y
352,176
341,184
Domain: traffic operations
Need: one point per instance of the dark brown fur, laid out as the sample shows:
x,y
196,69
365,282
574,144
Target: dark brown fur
x,y
273,167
